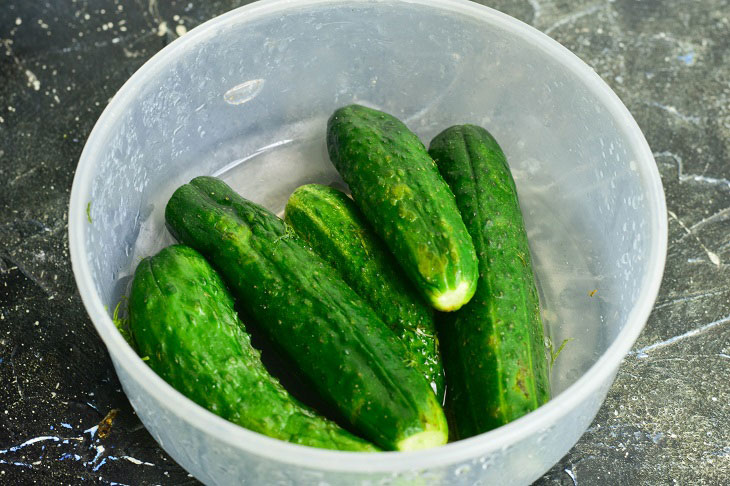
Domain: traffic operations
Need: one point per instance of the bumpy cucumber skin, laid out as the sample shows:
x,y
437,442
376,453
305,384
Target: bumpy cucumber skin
x,y
493,347
182,318
336,230
399,189
349,356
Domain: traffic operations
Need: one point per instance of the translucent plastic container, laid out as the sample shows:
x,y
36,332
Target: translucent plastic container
x,y
246,96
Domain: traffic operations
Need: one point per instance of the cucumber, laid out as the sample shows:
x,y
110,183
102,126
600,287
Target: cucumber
x,y
494,350
347,354
336,230
398,188
182,318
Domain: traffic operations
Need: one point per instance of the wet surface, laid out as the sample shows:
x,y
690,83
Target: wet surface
x,y
63,416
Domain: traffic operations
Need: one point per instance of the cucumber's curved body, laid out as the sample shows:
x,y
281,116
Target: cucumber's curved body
x,y
183,320
493,347
350,357
335,228
399,190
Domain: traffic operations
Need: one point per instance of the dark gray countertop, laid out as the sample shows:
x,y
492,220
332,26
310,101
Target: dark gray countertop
x,y
666,418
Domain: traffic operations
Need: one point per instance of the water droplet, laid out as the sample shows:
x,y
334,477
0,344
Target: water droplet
x,y
244,92
462,470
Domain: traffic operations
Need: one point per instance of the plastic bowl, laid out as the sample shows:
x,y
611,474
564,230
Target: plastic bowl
x,y
247,95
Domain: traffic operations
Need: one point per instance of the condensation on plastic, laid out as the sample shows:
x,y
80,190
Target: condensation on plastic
x,y
246,96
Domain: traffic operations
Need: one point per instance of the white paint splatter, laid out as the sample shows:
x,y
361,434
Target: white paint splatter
x,y
572,476
29,442
91,430
181,30
162,29
18,21
131,54
691,298
569,19
33,80
710,254
536,10
673,110
642,353
137,461
722,215
99,451
714,258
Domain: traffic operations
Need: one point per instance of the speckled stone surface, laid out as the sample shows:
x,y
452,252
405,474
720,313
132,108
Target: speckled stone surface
x,y
667,417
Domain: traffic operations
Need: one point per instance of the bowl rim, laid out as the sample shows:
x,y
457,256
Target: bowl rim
x,y
358,462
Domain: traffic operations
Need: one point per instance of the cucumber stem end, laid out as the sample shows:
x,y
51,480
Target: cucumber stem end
x,y
454,299
423,440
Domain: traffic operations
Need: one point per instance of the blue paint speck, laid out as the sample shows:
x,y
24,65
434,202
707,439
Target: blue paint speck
x,y
655,438
98,466
69,455
688,58
64,424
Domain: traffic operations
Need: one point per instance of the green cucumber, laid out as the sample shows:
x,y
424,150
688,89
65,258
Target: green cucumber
x,y
336,230
181,317
493,347
348,355
398,188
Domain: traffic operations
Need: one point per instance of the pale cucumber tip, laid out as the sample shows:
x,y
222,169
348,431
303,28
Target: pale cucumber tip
x,y
423,440
453,299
